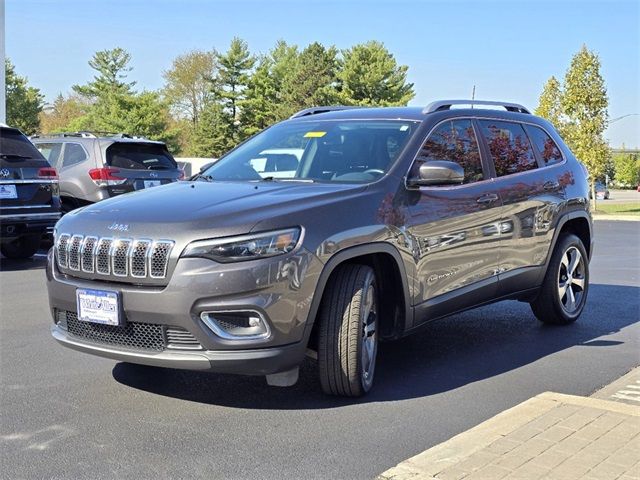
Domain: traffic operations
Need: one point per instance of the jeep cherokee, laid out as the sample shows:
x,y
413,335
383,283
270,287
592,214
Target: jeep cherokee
x,y
379,220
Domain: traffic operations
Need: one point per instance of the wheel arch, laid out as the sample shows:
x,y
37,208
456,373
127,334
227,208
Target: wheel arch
x,y
383,258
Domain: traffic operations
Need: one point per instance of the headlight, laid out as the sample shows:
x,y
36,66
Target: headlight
x,y
245,247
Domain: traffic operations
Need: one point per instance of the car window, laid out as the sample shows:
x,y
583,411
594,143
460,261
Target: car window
x,y
50,151
73,154
15,146
547,148
140,156
454,141
357,151
509,147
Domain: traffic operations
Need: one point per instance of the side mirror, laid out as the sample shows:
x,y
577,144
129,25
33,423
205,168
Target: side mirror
x,y
438,172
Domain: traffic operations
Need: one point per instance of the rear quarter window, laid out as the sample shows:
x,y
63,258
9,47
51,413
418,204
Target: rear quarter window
x,y
547,148
140,156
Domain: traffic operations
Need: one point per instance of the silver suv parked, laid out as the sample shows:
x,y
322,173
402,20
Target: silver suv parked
x,y
378,221
94,166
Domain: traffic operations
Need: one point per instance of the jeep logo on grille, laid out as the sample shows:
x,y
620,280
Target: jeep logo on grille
x,y
119,227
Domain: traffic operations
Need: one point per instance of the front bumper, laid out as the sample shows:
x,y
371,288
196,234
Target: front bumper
x,y
262,361
281,289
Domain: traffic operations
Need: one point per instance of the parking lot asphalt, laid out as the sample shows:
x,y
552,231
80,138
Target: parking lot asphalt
x,y
64,414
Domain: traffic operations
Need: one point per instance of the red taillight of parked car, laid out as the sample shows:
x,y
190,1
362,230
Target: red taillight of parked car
x,y
106,176
48,173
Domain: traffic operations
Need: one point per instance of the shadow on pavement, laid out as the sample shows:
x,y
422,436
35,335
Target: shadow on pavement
x,y
39,260
446,355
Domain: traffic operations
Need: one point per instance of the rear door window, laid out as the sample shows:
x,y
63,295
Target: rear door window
x,y
51,152
509,146
140,156
455,141
547,148
73,154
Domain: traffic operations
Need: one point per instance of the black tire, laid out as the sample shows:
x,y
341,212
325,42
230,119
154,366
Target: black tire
x,y
22,247
347,344
550,306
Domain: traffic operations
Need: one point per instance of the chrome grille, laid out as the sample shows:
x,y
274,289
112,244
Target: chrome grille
x,y
88,247
102,256
120,257
138,258
61,250
158,258
73,252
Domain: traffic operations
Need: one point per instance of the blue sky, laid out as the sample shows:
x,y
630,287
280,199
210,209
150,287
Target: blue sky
x,y
507,49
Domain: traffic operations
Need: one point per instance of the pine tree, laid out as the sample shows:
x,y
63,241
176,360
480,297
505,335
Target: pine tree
x,y
370,75
112,67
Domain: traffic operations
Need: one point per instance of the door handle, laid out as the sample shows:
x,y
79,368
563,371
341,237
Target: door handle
x,y
551,185
488,198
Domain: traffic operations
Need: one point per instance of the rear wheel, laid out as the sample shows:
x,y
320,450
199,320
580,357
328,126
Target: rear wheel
x,y
566,283
22,247
348,339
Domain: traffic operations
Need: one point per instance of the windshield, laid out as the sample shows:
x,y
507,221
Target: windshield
x,y
354,151
140,156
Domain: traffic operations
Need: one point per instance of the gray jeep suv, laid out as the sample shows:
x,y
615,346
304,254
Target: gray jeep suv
x,y
97,165
391,218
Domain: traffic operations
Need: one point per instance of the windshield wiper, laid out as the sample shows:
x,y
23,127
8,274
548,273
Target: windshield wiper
x,y
15,155
200,176
281,179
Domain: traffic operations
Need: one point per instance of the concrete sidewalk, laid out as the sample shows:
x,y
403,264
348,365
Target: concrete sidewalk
x,y
550,436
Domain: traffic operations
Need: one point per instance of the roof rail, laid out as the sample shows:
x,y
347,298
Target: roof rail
x,y
324,109
440,105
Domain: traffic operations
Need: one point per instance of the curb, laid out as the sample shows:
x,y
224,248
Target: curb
x,y
621,218
426,465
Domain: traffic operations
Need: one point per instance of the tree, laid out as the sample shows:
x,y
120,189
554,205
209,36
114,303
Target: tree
x,y
58,116
549,104
189,83
584,102
627,168
112,67
24,103
233,79
144,115
211,137
313,80
370,75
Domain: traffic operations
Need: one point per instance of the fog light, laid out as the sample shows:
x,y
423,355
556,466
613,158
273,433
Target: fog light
x,y
236,324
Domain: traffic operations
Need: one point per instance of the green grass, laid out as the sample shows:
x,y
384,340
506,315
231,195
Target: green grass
x,y
618,208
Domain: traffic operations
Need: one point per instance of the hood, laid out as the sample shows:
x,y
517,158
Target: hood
x,y
191,210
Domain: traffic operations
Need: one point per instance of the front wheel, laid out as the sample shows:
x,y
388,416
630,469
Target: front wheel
x,y
564,291
348,337
22,247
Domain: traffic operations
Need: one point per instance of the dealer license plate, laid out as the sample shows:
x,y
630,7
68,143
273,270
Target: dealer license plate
x,y
98,306
8,191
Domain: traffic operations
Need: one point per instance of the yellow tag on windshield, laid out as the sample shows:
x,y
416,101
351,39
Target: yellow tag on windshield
x,y
314,134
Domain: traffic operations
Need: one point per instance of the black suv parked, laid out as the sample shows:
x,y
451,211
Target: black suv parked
x,y
383,219
29,199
